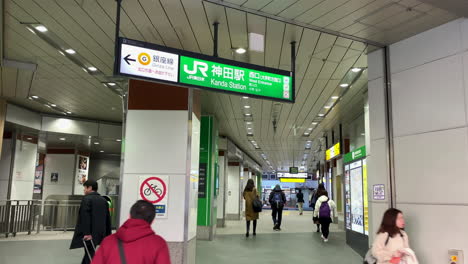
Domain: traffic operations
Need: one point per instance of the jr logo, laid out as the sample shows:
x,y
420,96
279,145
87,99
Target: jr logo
x,y
197,65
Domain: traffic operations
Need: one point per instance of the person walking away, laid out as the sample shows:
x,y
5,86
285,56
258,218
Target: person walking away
x,y
277,201
300,201
391,245
93,223
313,200
135,241
250,194
324,210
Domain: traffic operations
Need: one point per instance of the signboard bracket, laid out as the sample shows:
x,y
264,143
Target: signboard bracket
x,y
215,44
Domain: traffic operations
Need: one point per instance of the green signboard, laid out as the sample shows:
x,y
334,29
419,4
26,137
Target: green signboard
x,y
355,155
234,79
152,62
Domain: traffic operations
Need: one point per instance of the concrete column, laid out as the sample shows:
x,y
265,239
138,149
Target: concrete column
x,y
221,212
162,138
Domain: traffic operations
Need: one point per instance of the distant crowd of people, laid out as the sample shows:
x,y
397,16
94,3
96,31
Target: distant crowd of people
x,y
135,241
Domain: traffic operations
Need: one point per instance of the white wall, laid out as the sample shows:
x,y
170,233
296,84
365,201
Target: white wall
x,y
232,205
23,170
63,164
222,181
430,121
5,164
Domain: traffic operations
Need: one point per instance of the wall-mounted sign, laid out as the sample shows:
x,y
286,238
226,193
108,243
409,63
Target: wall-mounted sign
x,y
293,170
302,175
152,62
355,155
379,192
333,152
297,180
155,189
202,180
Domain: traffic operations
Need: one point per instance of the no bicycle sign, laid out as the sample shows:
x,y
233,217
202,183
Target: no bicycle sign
x,y
154,189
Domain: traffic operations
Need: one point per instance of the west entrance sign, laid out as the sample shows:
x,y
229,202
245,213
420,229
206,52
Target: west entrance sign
x,y
156,63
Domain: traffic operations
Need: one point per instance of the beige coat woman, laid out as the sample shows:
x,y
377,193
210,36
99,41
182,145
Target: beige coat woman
x,y
384,253
249,197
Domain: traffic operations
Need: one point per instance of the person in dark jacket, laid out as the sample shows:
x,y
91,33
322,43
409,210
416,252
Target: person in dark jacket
x,y
93,221
277,201
139,242
300,201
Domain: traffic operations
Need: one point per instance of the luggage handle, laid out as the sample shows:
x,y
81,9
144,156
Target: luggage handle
x,y
87,250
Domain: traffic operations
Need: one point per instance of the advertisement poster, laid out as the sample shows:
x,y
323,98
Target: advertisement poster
x,y
357,212
83,163
39,173
379,192
347,198
54,177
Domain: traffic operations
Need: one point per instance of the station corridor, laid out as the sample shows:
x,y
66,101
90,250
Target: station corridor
x,y
296,243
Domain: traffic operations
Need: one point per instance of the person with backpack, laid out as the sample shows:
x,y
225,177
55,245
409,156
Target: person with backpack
x,y
250,195
277,201
391,245
300,201
316,193
135,241
324,210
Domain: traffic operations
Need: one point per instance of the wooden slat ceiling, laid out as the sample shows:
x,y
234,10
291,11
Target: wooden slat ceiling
x,y
87,26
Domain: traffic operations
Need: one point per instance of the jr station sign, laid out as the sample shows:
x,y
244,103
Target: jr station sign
x,y
156,63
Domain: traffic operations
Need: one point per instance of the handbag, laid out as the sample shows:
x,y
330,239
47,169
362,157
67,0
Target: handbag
x,y
257,205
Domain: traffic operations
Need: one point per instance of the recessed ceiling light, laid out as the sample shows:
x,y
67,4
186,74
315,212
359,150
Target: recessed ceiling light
x,y
327,107
321,115
35,96
112,84
92,68
32,31
63,139
240,51
355,69
61,52
29,138
53,105
248,123
70,51
96,143
335,97
247,106
249,128
101,151
48,105
118,140
248,114
306,134
245,97
68,112
314,123
344,85
41,28
363,134
309,128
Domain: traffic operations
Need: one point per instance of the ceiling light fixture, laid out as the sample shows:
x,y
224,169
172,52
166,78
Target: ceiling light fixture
x,y
41,28
62,139
61,52
102,151
327,107
70,51
96,143
68,112
245,97
53,105
118,140
29,138
112,84
92,68
335,97
344,85
35,96
248,114
247,106
321,115
314,123
240,50
32,31
356,69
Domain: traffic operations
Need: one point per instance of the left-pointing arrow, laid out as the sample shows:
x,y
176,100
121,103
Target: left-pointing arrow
x,y
127,59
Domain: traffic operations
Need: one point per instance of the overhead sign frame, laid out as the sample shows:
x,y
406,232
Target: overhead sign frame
x,y
333,152
121,58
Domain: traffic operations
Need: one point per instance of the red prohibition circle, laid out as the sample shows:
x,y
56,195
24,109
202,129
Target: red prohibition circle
x,y
146,184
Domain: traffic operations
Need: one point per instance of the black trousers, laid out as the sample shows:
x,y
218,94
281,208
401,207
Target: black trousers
x,y
277,215
91,252
325,222
254,226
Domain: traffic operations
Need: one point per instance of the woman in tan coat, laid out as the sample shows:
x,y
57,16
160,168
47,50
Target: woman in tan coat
x,y
391,241
250,194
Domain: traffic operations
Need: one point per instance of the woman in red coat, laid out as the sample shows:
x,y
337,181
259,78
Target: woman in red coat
x,y
138,241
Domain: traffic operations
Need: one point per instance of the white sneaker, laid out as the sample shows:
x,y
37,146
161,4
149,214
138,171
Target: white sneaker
x,y
325,240
322,237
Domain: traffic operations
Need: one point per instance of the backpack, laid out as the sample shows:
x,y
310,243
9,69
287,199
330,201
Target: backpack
x,y
257,205
278,199
324,211
369,258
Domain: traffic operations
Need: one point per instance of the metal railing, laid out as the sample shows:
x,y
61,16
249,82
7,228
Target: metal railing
x,y
18,216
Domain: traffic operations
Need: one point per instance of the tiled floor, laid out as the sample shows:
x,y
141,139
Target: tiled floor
x,y
296,243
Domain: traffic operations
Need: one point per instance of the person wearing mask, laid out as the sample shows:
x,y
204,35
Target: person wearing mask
x,y
250,194
324,211
135,242
277,201
391,244
300,201
93,223
316,193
